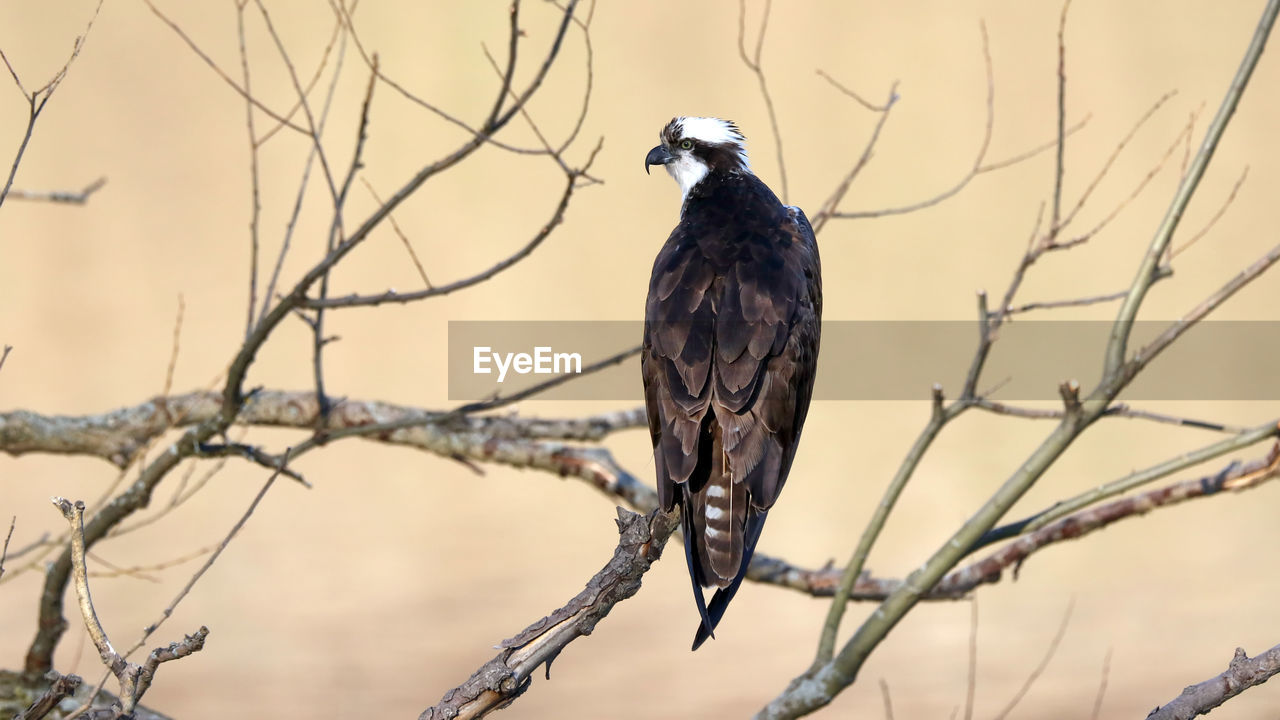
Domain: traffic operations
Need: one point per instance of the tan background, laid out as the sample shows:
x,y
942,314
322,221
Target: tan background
x,y
388,583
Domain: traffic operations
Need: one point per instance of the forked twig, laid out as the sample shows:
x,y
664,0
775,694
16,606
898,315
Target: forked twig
x,y
134,679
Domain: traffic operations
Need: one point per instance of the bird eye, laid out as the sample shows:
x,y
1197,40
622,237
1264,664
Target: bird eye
x,y
686,144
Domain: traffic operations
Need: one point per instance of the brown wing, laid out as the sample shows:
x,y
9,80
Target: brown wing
x,y
730,349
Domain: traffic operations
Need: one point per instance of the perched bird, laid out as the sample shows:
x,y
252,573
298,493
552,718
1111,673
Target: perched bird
x,y
730,351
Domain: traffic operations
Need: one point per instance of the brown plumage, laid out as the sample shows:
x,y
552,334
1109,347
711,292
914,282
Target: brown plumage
x,y
730,351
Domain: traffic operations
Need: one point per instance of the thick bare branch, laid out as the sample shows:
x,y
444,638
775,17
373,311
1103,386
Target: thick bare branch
x,y
1243,673
509,674
118,435
1235,477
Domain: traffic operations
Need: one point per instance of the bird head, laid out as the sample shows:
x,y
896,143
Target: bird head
x,y
693,147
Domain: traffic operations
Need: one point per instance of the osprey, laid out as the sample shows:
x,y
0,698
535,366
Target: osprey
x,y
731,330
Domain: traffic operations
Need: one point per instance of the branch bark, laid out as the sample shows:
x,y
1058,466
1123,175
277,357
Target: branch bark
x,y
510,673
1243,673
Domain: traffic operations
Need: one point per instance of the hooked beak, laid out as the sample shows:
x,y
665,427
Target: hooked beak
x,y
657,156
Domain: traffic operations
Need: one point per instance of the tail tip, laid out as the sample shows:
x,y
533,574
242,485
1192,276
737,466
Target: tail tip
x,y
701,636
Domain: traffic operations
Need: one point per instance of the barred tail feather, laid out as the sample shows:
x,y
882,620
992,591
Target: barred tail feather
x,y
720,601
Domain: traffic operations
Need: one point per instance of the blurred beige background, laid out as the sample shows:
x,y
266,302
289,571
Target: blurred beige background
x,y
391,580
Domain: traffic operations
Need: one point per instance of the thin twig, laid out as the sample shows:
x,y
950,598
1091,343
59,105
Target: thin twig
x,y
974,170
1102,686
1117,346
1055,243
220,73
1036,672
1056,215
338,27
971,681
303,183
4,554
392,296
213,557
828,208
1121,410
888,701
851,94
1073,302
1115,153
1166,338
753,64
255,202
1222,209
60,197
404,240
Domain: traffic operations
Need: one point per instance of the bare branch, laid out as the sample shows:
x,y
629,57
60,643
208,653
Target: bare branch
x,y
1054,217
304,181
1235,477
51,624
1111,159
855,96
888,702
62,197
1148,353
134,679
255,202
243,92
118,436
1222,210
753,64
1121,410
1243,673
1054,243
60,688
1039,669
1133,480
404,240
334,35
853,569
1074,302
828,208
1102,686
4,554
394,297
971,682
1118,344
37,99
510,673
213,557
978,167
